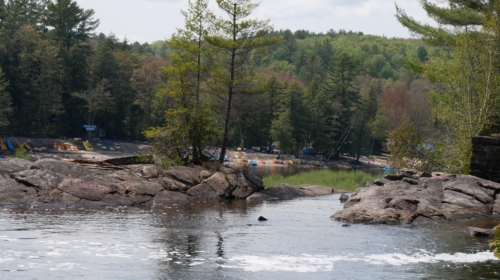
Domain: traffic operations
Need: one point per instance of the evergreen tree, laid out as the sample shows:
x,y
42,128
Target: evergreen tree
x,y
236,37
339,85
5,102
190,122
71,24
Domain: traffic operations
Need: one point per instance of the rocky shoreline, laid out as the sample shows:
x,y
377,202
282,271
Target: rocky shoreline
x,y
49,183
411,196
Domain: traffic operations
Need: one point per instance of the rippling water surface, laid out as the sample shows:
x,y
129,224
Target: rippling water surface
x,y
214,240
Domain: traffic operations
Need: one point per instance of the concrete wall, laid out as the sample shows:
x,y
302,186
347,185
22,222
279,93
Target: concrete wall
x,y
485,161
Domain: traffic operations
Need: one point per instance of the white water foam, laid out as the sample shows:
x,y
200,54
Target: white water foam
x,y
308,263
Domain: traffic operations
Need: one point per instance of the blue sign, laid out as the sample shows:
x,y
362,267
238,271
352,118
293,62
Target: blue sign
x,y
89,126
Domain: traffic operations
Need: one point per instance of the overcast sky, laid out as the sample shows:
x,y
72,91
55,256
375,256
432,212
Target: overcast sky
x,y
151,20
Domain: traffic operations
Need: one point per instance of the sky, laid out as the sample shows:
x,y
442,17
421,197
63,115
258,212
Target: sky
x,y
152,20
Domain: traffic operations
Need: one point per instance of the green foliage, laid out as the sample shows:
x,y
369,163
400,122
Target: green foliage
x,y
338,180
22,154
5,102
495,244
235,37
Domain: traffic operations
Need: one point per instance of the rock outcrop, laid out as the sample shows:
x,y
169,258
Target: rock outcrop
x,y
54,183
402,198
285,191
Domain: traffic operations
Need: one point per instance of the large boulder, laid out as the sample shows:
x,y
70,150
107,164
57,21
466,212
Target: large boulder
x,y
410,195
242,188
173,185
186,175
14,193
215,187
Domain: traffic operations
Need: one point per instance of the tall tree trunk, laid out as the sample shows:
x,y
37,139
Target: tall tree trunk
x,y
230,93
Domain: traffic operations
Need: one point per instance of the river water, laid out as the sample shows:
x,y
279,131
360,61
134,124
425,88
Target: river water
x,y
215,240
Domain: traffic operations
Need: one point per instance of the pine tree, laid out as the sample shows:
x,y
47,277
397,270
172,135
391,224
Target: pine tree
x,y
5,102
236,37
190,123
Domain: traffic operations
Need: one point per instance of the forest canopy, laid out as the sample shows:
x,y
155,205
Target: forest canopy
x,y
336,92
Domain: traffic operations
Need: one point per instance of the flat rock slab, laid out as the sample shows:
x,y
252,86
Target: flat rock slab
x,y
186,175
14,165
285,191
66,169
41,179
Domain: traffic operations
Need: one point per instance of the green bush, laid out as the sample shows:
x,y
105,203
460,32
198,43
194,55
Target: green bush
x,y
21,153
495,244
339,180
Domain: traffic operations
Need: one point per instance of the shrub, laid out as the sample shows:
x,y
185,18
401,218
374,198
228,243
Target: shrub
x,y
21,153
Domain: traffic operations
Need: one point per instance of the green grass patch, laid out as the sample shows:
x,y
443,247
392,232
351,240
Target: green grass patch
x,y
340,180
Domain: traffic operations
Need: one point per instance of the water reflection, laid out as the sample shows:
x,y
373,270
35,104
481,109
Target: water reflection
x,y
213,240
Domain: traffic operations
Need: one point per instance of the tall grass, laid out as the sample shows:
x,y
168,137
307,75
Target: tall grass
x,y
339,180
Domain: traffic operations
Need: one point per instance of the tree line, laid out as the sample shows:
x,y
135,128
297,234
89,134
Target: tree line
x,y
218,81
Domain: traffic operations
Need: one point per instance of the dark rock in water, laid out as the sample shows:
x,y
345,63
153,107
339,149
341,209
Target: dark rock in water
x,y
346,225
403,201
262,219
480,232
344,197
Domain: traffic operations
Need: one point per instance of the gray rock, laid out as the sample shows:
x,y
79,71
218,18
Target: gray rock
x,y
66,169
84,189
204,174
258,196
60,197
242,188
169,197
186,175
402,201
285,191
214,187
258,183
41,179
344,197
312,190
150,171
480,232
14,193
11,166
173,185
